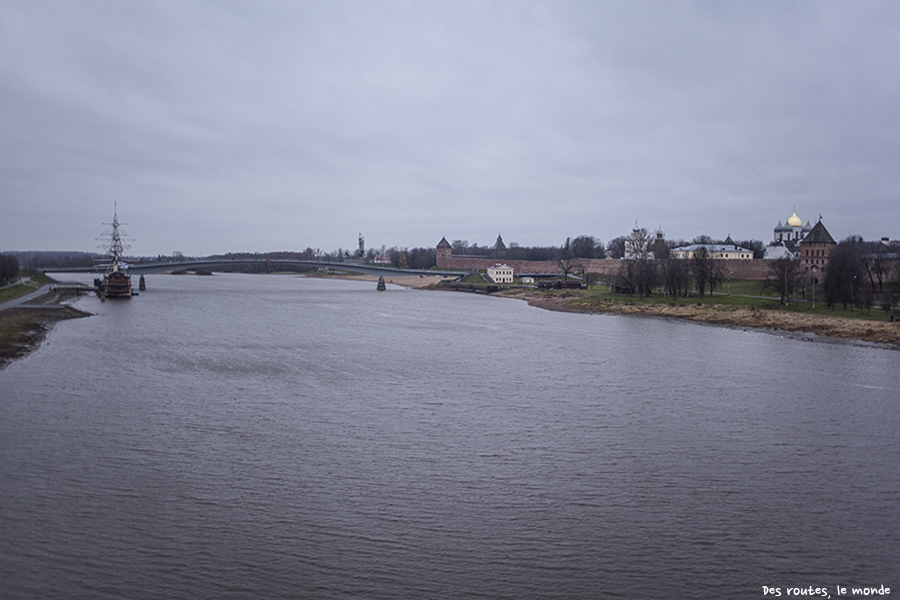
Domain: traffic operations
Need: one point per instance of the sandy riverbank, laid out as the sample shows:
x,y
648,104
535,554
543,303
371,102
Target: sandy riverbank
x,y
412,281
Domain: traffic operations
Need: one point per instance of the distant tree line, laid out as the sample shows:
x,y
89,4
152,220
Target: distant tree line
x,y
308,254
35,261
586,246
583,246
261,267
413,258
9,268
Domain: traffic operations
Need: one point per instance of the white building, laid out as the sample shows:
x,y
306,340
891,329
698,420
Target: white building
x,y
718,251
500,274
786,241
779,250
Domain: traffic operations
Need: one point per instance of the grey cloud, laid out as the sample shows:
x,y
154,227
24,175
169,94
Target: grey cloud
x,y
257,126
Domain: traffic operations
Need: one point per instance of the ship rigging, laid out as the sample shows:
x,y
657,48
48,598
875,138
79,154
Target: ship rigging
x,y
116,282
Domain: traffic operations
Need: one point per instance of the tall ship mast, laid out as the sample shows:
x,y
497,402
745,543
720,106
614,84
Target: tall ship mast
x,y
116,281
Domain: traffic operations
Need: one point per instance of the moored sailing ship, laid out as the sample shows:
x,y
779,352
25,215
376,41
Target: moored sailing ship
x,y
116,281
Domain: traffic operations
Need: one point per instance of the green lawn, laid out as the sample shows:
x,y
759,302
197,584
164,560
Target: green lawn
x,y
17,291
743,293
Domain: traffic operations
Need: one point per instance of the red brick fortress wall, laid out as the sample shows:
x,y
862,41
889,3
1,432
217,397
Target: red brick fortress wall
x,y
757,269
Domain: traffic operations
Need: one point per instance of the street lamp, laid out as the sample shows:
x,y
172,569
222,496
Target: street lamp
x,y
730,273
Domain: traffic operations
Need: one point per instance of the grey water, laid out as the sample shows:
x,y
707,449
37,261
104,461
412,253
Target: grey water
x,y
276,436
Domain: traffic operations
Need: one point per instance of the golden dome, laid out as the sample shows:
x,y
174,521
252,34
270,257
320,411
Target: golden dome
x,y
795,221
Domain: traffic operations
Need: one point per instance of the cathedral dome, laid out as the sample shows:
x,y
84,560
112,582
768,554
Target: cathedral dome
x,y
795,221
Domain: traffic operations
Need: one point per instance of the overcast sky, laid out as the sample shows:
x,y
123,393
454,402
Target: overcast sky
x,y
253,126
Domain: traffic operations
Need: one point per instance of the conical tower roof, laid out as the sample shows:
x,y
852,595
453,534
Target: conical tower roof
x,y
818,235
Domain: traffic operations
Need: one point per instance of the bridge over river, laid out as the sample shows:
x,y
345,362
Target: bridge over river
x,y
273,265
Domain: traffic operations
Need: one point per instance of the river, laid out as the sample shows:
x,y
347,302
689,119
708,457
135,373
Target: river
x,y
276,436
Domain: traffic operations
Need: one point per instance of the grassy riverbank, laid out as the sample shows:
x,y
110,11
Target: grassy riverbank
x,y
734,311
744,308
22,329
32,282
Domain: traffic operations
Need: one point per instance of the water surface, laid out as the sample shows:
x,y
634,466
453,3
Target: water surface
x,y
244,436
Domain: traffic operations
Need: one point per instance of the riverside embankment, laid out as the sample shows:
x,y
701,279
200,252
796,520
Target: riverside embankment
x,y
835,326
23,326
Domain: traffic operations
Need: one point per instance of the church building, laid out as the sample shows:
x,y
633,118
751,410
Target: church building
x,y
793,229
786,241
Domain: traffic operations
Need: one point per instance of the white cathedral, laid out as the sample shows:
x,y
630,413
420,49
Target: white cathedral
x,y
787,237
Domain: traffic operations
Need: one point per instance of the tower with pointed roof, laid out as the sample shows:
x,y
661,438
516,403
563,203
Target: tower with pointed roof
x,y
444,249
816,246
499,249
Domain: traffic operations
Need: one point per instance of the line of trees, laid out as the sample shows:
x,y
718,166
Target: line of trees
x,y
661,248
9,268
587,246
36,260
862,274
583,246
857,273
674,276
413,258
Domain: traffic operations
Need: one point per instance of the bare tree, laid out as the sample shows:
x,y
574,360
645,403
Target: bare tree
x,y
876,261
638,244
616,247
568,262
844,272
586,246
639,275
459,247
676,275
783,276
705,270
